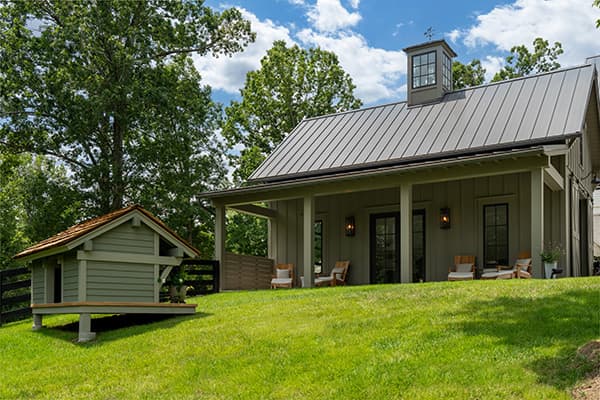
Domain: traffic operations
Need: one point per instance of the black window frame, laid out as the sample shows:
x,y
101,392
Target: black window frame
x,y
318,241
420,65
498,260
446,71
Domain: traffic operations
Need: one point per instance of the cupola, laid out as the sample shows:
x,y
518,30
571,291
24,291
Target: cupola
x,y
429,71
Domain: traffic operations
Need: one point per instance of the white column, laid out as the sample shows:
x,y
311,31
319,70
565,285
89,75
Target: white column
x,y
85,328
565,222
37,322
405,232
220,235
308,236
537,221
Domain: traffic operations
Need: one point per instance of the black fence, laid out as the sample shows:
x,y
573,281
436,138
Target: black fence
x,y
15,294
202,278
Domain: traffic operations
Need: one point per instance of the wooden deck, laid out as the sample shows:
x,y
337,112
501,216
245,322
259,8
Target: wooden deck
x,y
94,307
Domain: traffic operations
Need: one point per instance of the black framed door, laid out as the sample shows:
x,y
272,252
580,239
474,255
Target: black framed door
x,y
495,234
385,247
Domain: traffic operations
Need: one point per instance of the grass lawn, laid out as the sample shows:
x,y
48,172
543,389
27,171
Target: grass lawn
x,y
514,339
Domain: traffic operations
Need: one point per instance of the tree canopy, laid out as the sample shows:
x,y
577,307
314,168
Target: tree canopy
x,y
522,62
292,84
466,75
88,82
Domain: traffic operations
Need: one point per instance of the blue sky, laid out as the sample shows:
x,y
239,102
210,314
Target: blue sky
x,y
368,36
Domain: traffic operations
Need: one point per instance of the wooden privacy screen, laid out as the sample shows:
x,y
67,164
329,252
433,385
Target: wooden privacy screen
x,y
241,272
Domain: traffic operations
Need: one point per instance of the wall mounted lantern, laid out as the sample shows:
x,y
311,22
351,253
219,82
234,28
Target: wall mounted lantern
x,y
445,218
349,226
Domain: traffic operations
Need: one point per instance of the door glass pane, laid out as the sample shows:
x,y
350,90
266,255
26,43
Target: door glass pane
x,y
384,260
495,231
418,245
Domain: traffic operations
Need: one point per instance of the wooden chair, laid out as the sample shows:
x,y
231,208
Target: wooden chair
x,y
337,275
522,268
463,269
283,277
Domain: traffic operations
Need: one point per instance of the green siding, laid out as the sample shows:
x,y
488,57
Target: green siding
x,y
70,278
38,283
126,282
126,239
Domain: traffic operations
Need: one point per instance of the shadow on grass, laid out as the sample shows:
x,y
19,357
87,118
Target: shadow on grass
x,y
115,327
564,322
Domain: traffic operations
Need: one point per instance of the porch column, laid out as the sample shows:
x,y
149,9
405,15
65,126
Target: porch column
x,y
308,236
405,232
565,221
220,234
537,221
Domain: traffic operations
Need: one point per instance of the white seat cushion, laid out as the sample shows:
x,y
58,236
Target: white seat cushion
x,y
460,275
281,281
497,275
323,279
464,267
283,273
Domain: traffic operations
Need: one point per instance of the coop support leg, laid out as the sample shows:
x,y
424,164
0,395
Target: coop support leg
x,y
37,322
85,328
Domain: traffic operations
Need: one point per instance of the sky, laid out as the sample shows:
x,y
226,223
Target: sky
x,y
368,36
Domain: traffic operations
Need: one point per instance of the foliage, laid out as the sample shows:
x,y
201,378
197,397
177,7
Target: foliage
x,y
597,4
467,75
291,84
82,81
36,201
514,339
246,234
552,253
522,62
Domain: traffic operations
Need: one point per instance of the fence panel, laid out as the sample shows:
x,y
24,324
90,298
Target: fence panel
x,y
15,294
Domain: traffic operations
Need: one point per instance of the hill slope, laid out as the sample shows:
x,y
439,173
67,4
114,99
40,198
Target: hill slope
x,y
462,340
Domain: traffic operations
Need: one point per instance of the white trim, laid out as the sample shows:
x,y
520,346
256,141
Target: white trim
x,y
82,280
553,179
126,258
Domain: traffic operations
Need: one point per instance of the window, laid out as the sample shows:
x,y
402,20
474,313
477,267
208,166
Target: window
x,y
446,72
423,70
495,234
318,246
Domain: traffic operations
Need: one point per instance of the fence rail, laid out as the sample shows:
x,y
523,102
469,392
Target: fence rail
x,y
203,278
15,294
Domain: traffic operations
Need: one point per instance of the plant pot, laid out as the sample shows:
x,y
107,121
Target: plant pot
x,y
548,267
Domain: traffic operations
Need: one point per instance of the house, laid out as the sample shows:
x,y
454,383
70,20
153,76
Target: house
x,y
597,223
106,265
399,189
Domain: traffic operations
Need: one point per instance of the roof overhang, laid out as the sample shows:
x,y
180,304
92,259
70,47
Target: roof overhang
x,y
417,173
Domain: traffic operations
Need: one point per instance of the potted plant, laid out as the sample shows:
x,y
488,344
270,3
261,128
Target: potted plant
x,y
176,283
550,257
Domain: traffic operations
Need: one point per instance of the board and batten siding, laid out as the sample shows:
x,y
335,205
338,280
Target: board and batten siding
x,y
465,198
70,278
126,238
38,283
126,282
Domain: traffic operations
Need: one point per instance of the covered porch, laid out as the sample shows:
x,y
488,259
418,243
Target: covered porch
x,y
498,205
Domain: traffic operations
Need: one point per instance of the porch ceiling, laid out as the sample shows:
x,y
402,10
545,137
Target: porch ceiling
x,y
419,173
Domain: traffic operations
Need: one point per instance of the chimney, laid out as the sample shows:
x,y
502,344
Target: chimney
x,y
429,71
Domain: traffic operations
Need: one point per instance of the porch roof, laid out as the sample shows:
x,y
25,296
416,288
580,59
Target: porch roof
x,y
276,190
518,113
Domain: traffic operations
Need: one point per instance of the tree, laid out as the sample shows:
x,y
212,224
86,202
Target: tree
x,y
36,201
522,62
597,4
467,75
78,81
291,84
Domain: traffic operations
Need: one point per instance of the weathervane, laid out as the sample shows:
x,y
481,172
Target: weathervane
x,y
429,33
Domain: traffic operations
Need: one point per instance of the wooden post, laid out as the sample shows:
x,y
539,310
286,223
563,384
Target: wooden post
x,y
85,328
37,322
405,232
220,235
308,235
565,220
537,221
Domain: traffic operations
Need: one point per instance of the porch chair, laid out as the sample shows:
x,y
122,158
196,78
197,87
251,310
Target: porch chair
x,y
521,269
463,270
336,277
284,276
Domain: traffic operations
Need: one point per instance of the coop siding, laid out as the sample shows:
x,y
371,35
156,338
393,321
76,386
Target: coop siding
x,y
127,282
126,239
70,278
37,285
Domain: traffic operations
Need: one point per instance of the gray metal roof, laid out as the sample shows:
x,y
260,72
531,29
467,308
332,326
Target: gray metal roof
x,y
536,109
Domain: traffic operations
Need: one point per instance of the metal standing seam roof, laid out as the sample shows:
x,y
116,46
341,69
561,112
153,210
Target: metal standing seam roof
x,y
90,225
535,109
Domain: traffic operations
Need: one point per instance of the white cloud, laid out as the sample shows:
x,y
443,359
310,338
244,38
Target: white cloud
x,y
331,16
229,73
454,35
571,22
354,3
492,64
375,72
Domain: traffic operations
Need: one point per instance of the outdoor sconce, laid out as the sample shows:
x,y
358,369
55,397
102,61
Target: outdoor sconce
x,y
445,218
350,226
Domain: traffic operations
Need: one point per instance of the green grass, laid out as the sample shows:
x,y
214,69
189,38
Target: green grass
x,y
447,340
